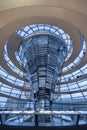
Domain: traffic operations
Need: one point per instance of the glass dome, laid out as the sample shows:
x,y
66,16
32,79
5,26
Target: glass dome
x,y
72,96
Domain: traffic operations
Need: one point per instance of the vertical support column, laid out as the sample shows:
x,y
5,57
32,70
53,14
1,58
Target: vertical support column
x,y
44,56
0,119
76,119
36,120
2,116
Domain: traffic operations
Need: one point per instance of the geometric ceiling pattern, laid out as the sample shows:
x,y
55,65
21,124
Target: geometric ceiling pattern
x,y
65,20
